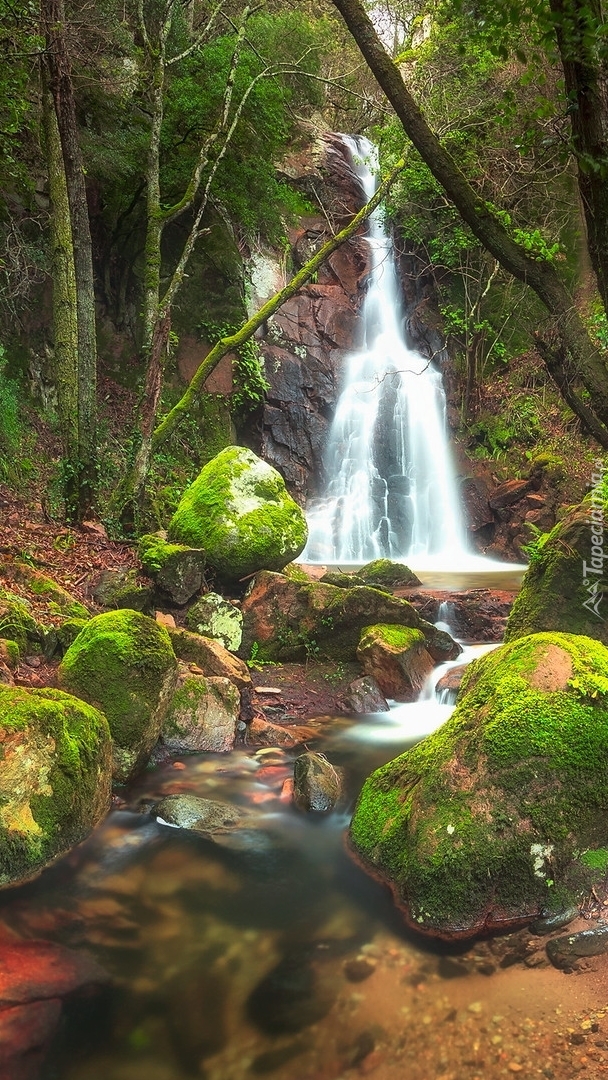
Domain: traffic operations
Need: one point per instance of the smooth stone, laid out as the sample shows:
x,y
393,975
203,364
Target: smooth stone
x,y
564,951
317,784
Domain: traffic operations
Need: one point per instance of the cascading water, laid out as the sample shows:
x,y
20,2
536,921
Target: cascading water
x,y
391,490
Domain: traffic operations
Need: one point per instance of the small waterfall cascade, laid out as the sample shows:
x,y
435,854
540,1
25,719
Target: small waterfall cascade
x,y
391,490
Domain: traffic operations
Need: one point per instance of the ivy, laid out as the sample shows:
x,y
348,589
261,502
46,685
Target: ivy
x,y
248,368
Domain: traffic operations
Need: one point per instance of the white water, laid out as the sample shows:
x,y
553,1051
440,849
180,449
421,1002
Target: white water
x,y
392,488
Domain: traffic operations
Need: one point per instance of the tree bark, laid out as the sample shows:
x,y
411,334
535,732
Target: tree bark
x,y
539,274
62,91
586,79
65,322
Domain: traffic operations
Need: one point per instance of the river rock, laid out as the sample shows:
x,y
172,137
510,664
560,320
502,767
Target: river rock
x,y
202,716
397,658
473,614
55,777
123,663
214,617
500,814
556,592
317,783
365,696
291,620
215,821
179,571
450,683
238,510
563,952
291,997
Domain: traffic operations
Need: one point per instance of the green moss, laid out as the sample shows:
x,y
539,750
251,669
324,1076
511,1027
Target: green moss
x,y
396,637
11,652
154,552
68,632
121,662
388,573
54,776
17,622
458,823
597,859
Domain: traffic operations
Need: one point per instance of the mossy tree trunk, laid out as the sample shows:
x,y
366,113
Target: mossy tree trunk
x,y
65,321
62,92
157,305
582,366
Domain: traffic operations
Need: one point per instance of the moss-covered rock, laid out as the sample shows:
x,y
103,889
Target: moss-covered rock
x,y
500,814
292,620
68,632
55,775
18,624
564,587
238,510
202,716
121,589
10,654
178,570
397,658
214,617
123,663
385,572
60,601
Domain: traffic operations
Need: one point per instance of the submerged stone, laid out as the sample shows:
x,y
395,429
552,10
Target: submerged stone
x,y
563,952
239,511
55,777
317,783
291,997
501,813
123,663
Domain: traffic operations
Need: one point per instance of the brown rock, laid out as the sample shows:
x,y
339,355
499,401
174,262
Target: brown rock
x,y
509,493
211,657
40,970
476,505
262,733
400,669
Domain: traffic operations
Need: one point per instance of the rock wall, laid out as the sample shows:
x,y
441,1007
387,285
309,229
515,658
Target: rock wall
x,y
304,345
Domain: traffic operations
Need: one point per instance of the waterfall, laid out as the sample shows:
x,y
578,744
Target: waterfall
x,y
391,489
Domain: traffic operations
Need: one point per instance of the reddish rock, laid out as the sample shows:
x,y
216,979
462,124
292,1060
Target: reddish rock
x,y
450,682
399,669
474,494
473,614
262,733
37,970
509,493
23,1029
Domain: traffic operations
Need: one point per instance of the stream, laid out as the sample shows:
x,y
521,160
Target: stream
x,y
274,954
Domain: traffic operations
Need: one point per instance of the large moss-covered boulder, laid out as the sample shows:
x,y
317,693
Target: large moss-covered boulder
x,y
501,814
123,663
564,586
18,624
55,775
239,511
397,658
292,620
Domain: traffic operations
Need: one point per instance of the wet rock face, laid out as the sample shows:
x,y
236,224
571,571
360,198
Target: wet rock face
x,y
473,614
305,344
365,696
397,658
499,815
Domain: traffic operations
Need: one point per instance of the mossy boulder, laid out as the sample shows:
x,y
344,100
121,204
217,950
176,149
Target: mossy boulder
x,y
179,571
59,600
202,716
18,624
397,658
123,663
214,617
55,777
122,589
239,511
10,654
391,575
501,814
292,620
565,585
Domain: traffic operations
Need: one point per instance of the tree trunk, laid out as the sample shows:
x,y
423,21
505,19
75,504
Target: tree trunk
x,y
62,91
586,79
539,274
65,323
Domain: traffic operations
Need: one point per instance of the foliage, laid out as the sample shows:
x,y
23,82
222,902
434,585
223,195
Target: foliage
x,y
248,368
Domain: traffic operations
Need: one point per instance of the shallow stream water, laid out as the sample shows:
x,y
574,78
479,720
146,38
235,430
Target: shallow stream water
x,y
276,955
